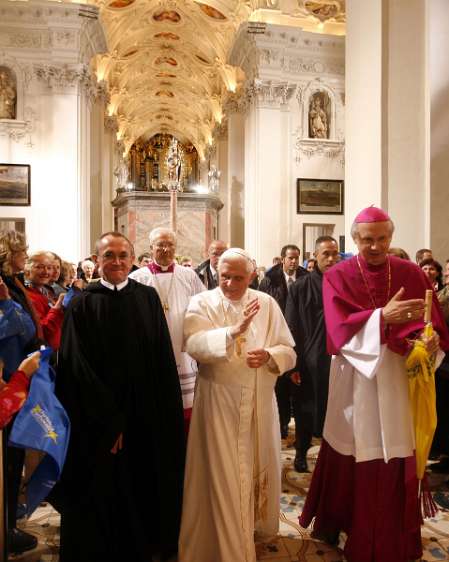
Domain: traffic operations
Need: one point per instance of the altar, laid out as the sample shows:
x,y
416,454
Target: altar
x,y
136,213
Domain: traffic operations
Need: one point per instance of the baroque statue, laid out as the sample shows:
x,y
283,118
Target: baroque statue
x,y
174,164
319,116
8,94
121,174
214,179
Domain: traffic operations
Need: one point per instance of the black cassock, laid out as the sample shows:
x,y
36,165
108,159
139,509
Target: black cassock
x,y
305,317
117,374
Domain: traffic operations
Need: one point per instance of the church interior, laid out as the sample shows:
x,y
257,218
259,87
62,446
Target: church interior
x,y
259,95
257,122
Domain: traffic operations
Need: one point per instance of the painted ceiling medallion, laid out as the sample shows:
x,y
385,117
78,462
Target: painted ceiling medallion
x,y
211,12
165,93
167,35
202,59
167,15
121,3
166,60
130,53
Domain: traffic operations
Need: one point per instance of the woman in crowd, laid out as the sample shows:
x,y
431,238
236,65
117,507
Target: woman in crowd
x,y
68,274
57,278
88,268
434,272
311,263
25,337
20,333
38,271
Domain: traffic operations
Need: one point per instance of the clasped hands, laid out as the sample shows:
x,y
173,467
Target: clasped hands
x,y
256,357
398,311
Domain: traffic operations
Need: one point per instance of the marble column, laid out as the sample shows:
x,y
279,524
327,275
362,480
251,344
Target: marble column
x,y
267,190
234,204
387,116
438,17
222,166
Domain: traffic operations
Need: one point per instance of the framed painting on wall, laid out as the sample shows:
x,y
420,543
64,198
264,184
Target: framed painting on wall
x,y
7,223
15,184
319,197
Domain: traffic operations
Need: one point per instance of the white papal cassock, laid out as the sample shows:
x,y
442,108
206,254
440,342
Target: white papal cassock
x,y
233,474
175,290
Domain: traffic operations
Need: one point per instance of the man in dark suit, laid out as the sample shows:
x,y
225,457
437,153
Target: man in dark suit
x,y
207,271
276,283
305,316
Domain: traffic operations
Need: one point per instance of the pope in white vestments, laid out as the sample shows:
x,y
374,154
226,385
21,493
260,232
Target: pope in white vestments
x,y
233,474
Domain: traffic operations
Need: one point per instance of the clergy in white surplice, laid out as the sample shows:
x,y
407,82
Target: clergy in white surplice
x,y
233,475
175,286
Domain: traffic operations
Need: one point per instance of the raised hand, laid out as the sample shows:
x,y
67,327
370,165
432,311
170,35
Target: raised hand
x,y
397,311
432,343
30,364
58,303
250,310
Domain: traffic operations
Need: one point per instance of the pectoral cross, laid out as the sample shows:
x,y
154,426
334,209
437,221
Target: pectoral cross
x,y
165,307
239,341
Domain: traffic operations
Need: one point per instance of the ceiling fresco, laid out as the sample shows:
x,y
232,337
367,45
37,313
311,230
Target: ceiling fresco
x,y
176,52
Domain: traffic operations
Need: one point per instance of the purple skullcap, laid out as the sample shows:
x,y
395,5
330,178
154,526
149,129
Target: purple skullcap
x,y
372,214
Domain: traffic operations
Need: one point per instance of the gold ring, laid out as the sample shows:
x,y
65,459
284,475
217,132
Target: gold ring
x,y
409,315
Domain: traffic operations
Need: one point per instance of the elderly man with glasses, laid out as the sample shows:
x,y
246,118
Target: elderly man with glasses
x,y
175,285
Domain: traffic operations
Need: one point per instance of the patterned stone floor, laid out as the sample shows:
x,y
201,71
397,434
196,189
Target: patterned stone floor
x,y
293,543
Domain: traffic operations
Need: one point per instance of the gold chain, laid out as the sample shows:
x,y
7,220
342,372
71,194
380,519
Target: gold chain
x,y
368,290
164,298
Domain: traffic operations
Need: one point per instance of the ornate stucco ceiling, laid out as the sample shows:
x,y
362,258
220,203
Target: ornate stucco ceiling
x,y
166,66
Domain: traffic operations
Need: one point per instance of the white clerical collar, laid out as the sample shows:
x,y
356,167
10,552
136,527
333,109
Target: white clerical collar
x,y
112,287
165,267
287,276
213,271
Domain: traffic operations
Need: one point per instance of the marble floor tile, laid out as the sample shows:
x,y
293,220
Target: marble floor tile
x,y
293,544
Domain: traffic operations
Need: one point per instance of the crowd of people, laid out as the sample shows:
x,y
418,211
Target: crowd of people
x,y
189,377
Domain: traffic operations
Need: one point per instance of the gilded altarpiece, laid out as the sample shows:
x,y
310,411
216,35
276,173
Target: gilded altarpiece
x,y
148,169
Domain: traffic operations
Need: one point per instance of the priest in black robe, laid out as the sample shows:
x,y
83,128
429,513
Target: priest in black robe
x,y
305,317
120,493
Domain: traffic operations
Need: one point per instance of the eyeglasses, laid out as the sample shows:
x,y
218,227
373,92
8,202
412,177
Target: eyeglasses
x,y
164,245
41,267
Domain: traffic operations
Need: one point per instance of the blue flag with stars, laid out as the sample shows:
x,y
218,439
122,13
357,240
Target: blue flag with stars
x,y
42,424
